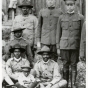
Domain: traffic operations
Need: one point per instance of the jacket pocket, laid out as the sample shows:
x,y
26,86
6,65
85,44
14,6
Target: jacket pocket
x,y
76,23
64,42
55,20
64,23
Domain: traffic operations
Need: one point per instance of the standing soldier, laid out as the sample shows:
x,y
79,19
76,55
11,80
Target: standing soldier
x,y
27,21
46,33
81,65
68,39
19,40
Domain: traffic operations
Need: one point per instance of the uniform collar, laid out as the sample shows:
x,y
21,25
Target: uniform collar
x,y
17,60
70,13
46,62
18,38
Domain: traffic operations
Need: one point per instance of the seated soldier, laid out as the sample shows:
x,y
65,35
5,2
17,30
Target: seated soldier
x,y
6,80
14,64
26,80
48,71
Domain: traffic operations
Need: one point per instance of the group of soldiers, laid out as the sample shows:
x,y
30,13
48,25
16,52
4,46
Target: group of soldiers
x,y
53,35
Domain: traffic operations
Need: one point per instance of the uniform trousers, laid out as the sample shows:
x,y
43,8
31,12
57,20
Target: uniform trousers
x,y
69,57
59,84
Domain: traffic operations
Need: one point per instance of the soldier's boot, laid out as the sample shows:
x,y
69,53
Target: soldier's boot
x,y
66,77
73,79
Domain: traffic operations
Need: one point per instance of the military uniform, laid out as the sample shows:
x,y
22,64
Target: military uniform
x,y
23,44
47,25
49,72
13,67
68,40
30,24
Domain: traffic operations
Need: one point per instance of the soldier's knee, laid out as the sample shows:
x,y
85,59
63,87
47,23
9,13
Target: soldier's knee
x,y
62,83
33,72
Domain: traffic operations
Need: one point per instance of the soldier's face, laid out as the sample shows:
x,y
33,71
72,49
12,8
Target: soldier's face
x,y
17,53
18,34
25,10
45,56
26,73
50,3
70,5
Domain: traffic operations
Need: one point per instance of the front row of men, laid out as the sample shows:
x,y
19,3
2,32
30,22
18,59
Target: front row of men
x,y
47,71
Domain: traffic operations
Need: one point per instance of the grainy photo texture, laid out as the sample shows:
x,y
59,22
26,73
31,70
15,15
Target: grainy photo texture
x,y
44,43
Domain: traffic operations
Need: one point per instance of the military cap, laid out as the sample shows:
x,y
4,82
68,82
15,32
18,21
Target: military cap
x,y
26,3
25,68
70,0
44,49
16,46
17,29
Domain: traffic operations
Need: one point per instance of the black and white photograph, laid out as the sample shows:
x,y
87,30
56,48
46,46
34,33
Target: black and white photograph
x,y
43,43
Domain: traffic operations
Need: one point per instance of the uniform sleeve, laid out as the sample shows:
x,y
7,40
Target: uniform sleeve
x,y
9,70
58,34
82,20
35,30
7,53
27,63
5,75
56,74
83,39
32,78
36,68
15,22
13,26
40,19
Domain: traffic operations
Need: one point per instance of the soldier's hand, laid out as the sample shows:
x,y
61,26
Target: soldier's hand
x,y
38,45
58,52
81,58
48,86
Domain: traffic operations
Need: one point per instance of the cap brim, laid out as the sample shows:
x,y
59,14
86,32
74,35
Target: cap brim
x,y
41,52
30,6
21,49
18,30
23,68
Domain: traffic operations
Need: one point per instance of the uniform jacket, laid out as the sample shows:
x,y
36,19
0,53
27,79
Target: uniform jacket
x,y
30,24
23,44
30,78
48,19
48,71
69,31
13,67
83,41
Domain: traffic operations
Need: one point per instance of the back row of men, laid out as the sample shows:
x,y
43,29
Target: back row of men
x,y
60,31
